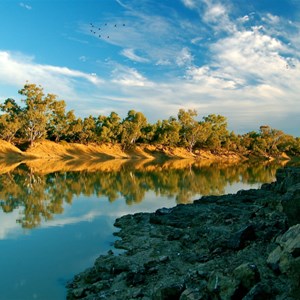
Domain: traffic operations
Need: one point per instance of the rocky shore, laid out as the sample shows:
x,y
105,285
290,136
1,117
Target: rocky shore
x,y
241,246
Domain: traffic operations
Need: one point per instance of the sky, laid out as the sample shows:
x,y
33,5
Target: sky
x,y
236,58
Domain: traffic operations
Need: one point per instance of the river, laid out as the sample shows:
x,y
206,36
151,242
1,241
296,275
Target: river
x,y
53,225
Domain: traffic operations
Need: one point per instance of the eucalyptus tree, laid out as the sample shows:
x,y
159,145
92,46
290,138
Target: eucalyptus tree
x,y
132,127
218,131
272,137
57,125
168,132
74,128
109,128
37,111
88,133
192,131
11,120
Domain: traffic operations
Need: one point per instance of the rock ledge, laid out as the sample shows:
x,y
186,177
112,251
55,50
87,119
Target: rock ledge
x,y
241,246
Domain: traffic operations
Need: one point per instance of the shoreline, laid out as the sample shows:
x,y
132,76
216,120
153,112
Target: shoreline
x,y
236,246
72,151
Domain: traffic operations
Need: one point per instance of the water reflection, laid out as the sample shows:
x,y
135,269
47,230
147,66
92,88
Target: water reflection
x,y
39,195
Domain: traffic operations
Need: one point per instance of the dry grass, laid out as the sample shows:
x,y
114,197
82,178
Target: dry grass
x,y
46,157
48,149
7,147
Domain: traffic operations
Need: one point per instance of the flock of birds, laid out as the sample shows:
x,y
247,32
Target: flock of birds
x,y
101,31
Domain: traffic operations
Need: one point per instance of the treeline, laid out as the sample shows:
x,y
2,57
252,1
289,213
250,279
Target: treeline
x,y
45,117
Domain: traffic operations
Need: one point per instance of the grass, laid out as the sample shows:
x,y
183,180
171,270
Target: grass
x,y
46,157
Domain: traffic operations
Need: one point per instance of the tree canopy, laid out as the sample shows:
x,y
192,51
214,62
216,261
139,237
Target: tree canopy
x,y
45,117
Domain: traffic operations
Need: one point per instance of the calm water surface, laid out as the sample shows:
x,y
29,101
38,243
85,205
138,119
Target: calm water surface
x,y
55,225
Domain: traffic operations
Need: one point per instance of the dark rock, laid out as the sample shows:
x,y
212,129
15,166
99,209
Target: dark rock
x,y
261,292
135,278
239,239
243,246
247,275
171,292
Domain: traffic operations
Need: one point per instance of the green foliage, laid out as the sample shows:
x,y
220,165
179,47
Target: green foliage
x,y
11,121
167,132
57,123
132,127
217,133
108,129
36,111
44,116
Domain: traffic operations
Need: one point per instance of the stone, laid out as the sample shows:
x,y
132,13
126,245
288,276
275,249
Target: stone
x,y
172,292
242,246
247,274
238,239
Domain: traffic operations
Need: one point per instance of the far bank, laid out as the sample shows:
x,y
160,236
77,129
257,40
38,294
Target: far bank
x,y
74,151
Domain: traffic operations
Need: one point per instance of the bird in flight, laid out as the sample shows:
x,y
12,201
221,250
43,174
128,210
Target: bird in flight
x,y
106,29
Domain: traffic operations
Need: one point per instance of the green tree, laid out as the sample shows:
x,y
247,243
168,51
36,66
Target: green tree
x,y
218,131
57,125
36,112
11,120
108,128
88,133
167,132
132,127
272,138
192,131
75,128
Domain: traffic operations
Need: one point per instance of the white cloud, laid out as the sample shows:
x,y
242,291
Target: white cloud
x,y
215,12
250,55
125,76
83,58
189,3
210,80
184,57
216,15
244,19
129,53
272,19
16,69
26,6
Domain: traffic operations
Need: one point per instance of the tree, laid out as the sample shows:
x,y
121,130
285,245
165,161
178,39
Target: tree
x,y
88,133
218,131
57,123
108,129
11,121
191,131
167,132
132,127
75,128
36,112
272,138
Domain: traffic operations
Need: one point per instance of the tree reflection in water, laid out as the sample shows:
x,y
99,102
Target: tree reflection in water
x,y
40,196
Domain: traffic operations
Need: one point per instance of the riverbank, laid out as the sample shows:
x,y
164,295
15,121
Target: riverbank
x,y
63,151
68,151
241,246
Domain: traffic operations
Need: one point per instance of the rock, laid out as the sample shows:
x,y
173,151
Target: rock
x,y
243,246
239,239
261,292
135,278
247,274
220,286
171,292
190,294
286,258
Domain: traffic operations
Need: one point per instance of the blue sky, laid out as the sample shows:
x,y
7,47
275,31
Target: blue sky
x,y
236,58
